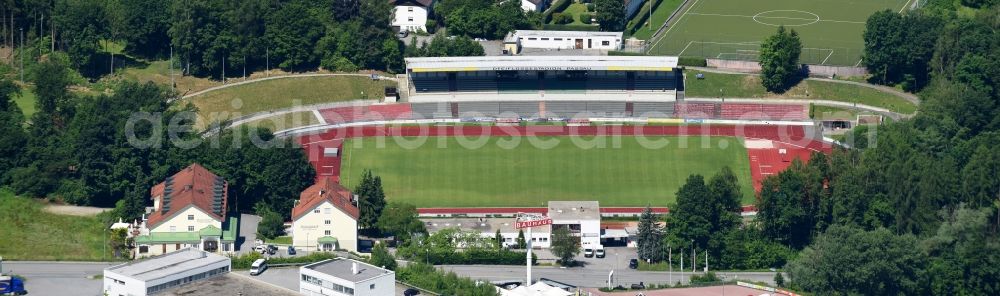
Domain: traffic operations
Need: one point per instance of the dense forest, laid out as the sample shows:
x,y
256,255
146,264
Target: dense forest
x,y
212,38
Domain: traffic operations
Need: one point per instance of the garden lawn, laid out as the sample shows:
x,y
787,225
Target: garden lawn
x,y
29,233
283,93
748,86
576,10
443,173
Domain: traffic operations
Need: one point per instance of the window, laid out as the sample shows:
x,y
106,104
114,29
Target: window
x,y
326,232
532,38
410,19
190,217
173,228
371,287
143,249
545,39
605,43
410,9
316,211
327,222
557,39
190,228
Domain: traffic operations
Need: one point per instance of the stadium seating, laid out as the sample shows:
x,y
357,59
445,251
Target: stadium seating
x,y
653,109
476,84
606,84
478,109
606,109
695,110
517,86
566,109
521,109
430,110
763,112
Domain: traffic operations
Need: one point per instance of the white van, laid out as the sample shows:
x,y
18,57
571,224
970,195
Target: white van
x,y
258,267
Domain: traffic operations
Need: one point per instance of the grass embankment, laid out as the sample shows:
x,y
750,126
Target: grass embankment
x,y
748,86
26,101
30,233
660,15
283,93
281,240
577,11
286,121
443,173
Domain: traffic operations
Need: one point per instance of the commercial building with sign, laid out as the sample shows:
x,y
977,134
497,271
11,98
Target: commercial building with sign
x,y
582,218
544,77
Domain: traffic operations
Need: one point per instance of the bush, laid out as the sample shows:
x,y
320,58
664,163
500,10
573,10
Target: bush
x,y
570,27
431,25
590,7
586,18
561,18
559,5
244,261
692,61
708,277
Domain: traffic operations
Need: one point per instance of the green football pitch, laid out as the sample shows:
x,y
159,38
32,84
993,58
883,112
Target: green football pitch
x,y
831,30
617,171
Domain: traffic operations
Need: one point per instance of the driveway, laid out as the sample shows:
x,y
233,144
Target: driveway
x,y
59,278
287,278
248,233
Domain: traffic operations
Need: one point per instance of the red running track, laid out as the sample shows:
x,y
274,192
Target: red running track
x,y
764,162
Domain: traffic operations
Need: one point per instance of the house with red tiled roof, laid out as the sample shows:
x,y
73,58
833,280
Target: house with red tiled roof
x,y
325,218
189,210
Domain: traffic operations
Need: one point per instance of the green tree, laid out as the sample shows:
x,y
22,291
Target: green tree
x,y
521,242
498,239
779,280
371,199
12,135
779,60
649,240
610,15
898,47
846,260
145,24
290,30
689,219
964,254
82,24
271,224
564,245
400,220
382,258
118,242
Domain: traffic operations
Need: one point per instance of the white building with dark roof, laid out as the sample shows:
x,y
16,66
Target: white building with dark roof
x,y
161,273
534,5
411,15
345,277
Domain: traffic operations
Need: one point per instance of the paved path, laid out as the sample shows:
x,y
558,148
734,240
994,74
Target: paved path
x,y
912,98
247,233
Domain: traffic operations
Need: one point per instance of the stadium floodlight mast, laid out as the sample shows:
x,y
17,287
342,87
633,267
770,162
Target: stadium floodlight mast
x,y
530,220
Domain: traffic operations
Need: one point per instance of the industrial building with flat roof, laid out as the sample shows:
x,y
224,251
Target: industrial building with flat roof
x,y
507,78
344,277
161,273
515,41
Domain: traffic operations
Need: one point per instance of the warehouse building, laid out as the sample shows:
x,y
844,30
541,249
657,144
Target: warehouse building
x,y
161,273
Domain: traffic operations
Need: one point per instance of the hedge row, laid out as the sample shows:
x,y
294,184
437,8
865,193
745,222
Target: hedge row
x,y
692,61
625,53
244,261
640,18
482,257
559,5
570,27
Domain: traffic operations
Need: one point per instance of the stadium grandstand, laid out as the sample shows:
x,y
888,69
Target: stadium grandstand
x,y
537,78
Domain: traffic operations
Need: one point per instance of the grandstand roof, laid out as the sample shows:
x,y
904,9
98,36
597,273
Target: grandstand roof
x,y
501,63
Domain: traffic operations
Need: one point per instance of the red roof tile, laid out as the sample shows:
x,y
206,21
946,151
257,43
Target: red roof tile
x,y
325,189
193,185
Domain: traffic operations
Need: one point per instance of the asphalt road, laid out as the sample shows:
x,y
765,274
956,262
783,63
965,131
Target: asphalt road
x,y
248,232
591,277
59,278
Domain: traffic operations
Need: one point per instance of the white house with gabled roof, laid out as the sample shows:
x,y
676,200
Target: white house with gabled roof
x,y
325,218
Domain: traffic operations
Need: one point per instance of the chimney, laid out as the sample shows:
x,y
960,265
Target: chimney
x,y
354,268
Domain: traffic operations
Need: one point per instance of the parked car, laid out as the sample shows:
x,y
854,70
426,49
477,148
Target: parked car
x,y
588,253
411,292
291,251
599,253
639,286
258,266
262,249
271,249
633,263
402,34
